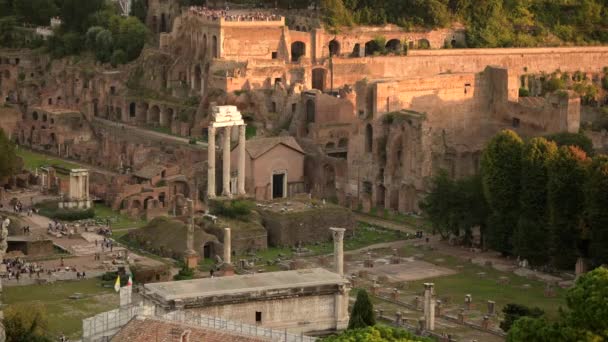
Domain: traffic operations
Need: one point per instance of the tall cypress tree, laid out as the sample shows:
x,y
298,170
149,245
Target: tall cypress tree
x,y
530,240
596,208
363,312
567,175
501,173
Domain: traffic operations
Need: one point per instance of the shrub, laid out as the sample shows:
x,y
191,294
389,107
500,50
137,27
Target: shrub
x,y
51,210
236,209
523,92
184,273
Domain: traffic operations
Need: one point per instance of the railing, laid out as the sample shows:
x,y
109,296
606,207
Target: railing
x,y
105,325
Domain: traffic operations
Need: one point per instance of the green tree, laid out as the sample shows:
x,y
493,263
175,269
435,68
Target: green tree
x,y
77,14
531,237
9,162
472,208
596,196
91,37
26,323
567,174
501,175
140,10
104,44
440,204
36,12
118,57
378,333
512,312
579,140
362,314
7,31
131,37
335,14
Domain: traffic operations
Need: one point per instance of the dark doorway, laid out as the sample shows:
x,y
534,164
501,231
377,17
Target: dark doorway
x,y
278,185
163,23
258,317
298,49
318,79
206,251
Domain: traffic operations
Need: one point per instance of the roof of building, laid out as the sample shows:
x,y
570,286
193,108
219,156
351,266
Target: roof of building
x,y
208,287
146,329
149,171
257,147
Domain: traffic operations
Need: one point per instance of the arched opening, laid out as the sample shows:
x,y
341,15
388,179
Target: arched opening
x,y
298,49
132,107
95,107
198,77
53,138
214,47
343,143
44,118
162,198
357,50
143,112
394,200
163,23
154,115
394,46
369,138
318,78
204,53
380,196
297,28
166,117
334,48
424,44
371,48
35,116
330,146
310,111
182,188
149,203
396,157
136,204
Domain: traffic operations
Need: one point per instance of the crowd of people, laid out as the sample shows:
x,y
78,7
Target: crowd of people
x,y
18,267
212,14
58,227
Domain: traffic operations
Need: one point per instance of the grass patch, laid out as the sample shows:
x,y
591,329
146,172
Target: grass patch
x,y
33,160
65,315
117,220
467,281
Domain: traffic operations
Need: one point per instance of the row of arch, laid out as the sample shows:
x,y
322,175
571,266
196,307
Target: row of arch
x,y
153,115
401,199
44,117
341,143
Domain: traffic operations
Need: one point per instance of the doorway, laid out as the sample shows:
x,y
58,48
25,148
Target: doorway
x,y
278,185
207,251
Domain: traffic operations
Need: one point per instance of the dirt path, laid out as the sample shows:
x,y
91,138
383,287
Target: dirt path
x,y
404,227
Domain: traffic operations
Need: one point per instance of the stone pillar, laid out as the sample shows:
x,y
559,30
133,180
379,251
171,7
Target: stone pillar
x,y
398,317
242,154
468,300
226,163
338,235
211,163
227,246
191,257
429,307
491,307
485,324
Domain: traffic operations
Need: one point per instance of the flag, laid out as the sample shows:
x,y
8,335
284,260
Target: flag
x,y
130,282
117,284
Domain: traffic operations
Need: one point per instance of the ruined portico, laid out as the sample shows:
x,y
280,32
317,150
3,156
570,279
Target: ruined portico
x,y
78,197
226,117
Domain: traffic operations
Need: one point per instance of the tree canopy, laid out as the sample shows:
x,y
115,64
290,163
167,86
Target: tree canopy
x,y
362,314
9,161
378,333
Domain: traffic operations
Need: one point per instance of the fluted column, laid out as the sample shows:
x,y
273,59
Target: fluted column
x,y
211,163
338,235
226,167
241,171
227,246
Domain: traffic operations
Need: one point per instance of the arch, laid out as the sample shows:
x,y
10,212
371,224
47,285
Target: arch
x,y
298,49
154,115
53,138
166,117
330,146
357,50
394,46
369,138
35,116
343,143
380,196
44,117
149,203
310,111
214,47
181,188
95,107
135,204
371,48
424,44
204,45
297,28
163,22
318,78
132,109
198,77
396,156
394,199
334,48
142,112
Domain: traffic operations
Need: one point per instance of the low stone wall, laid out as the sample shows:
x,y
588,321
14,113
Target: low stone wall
x,y
289,228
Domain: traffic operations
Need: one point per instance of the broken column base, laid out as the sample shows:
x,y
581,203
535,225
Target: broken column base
x,y
227,270
191,259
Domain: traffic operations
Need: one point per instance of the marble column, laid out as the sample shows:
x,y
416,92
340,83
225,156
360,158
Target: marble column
x,y
226,161
338,235
429,307
242,153
227,246
211,163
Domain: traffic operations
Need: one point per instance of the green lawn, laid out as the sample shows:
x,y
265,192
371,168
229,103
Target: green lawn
x,y
117,220
486,287
33,160
65,315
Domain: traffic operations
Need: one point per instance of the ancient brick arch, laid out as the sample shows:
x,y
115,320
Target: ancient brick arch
x,y
204,46
35,115
356,50
318,78
334,48
198,77
166,116
214,47
371,47
330,145
380,195
142,112
132,109
394,45
298,49
154,115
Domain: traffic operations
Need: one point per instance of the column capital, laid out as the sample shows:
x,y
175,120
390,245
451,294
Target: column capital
x,y
338,233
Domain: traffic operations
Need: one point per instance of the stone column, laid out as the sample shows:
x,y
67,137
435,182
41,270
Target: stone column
x,y
86,189
211,163
338,235
227,246
226,161
241,171
429,307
